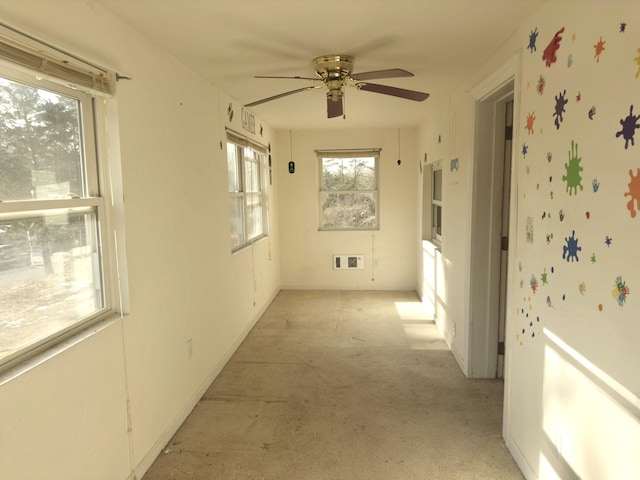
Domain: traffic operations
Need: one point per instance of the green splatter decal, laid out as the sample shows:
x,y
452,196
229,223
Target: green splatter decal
x,y
573,168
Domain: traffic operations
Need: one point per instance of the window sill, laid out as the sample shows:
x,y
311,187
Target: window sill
x,y
23,366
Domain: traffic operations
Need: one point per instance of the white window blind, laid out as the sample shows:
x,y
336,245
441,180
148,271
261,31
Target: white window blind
x,y
32,56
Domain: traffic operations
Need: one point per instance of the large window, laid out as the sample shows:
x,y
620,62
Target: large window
x,y
348,190
52,215
247,191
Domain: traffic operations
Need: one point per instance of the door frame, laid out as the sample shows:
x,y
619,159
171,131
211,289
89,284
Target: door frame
x,y
484,239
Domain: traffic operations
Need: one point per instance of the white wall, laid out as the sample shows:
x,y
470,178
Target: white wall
x,y
67,418
307,252
572,406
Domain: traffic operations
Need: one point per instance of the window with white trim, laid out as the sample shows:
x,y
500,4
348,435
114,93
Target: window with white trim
x,y
349,189
248,201
436,203
54,277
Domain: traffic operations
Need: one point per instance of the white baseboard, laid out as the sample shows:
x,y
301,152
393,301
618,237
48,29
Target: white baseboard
x,y
177,422
522,463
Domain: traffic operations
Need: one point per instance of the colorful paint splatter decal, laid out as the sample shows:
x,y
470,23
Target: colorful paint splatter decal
x,y
634,192
573,169
571,249
550,53
529,126
599,48
533,37
540,85
596,185
533,282
620,291
629,126
608,241
582,288
559,110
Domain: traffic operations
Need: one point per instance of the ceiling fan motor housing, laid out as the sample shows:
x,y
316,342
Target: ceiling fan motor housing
x,y
334,70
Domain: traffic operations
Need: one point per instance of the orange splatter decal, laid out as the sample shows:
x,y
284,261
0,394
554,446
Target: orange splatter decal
x,y
599,49
530,119
634,192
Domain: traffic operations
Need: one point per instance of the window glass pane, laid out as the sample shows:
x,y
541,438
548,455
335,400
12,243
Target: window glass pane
x,y
349,210
50,276
252,170
233,165
437,184
437,219
40,144
254,215
349,173
237,220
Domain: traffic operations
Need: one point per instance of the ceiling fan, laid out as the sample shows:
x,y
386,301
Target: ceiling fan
x,y
334,72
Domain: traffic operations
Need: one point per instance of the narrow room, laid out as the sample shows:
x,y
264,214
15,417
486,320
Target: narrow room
x,y
347,239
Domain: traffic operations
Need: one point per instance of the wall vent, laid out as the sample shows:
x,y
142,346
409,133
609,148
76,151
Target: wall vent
x,y
348,262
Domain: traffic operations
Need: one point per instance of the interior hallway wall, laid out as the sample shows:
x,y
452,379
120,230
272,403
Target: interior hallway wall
x,y
68,417
572,393
308,253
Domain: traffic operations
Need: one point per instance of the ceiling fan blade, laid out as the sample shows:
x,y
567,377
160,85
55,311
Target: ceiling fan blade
x,y
334,107
391,73
289,78
394,91
275,97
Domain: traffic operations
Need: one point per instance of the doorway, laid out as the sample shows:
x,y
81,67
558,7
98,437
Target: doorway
x,y
489,239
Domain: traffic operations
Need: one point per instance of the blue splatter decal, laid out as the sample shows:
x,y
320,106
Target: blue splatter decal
x,y
571,249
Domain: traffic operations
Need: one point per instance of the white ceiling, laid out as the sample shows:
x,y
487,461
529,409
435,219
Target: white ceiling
x,y
228,42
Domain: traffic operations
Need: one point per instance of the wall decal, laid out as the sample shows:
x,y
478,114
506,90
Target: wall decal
x,y
623,27
533,283
525,149
571,249
529,126
529,230
588,215
570,60
593,258
561,101
549,55
549,156
579,97
629,126
561,215
573,169
600,307
582,288
230,112
592,112
544,277
549,238
634,192
596,185
540,85
549,304
620,291
608,240
599,48
533,36
637,60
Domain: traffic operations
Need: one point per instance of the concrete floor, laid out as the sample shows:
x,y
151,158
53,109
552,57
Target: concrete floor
x,y
342,385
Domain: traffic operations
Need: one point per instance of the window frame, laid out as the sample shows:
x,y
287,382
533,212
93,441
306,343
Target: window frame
x,y
322,193
97,199
436,204
248,152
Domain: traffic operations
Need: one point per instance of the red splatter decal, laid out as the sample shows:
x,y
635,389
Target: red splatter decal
x,y
599,47
549,55
529,126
